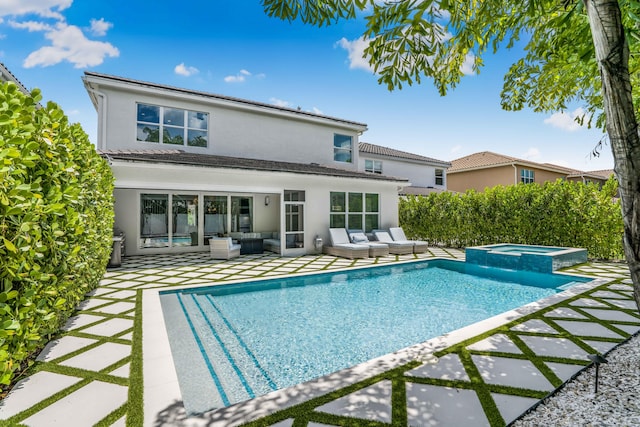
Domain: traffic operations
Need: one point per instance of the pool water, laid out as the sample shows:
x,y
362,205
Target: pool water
x,y
252,338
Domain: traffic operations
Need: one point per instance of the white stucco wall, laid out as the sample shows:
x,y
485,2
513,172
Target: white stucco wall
x,y
135,178
418,174
235,129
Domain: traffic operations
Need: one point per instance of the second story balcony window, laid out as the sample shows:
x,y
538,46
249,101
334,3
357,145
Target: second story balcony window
x,y
342,148
173,126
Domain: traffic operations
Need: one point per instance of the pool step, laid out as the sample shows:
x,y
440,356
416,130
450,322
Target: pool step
x,y
239,375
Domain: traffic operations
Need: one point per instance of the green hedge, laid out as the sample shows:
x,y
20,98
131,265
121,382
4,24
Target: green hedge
x,y
56,219
561,213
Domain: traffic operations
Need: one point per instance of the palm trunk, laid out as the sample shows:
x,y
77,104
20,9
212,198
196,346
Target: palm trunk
x,y
612,55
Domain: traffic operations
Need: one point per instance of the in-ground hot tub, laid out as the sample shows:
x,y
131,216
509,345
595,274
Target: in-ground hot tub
x,y
542,259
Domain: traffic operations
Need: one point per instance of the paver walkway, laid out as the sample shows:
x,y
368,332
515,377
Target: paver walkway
x,y
91,374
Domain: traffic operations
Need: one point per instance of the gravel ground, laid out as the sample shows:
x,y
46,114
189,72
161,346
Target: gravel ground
x,y
616,404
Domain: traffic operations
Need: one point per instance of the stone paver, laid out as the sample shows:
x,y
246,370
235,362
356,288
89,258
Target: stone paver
x,y
108,314
429,405
84,407
32,390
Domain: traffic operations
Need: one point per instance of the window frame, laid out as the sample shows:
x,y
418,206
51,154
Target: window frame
x,y
527,176
376,166
338,148
441,177
189,133
351,217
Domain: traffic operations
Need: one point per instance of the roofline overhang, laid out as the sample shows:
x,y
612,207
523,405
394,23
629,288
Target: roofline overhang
x,y
435,162
511,163
114,160
95,81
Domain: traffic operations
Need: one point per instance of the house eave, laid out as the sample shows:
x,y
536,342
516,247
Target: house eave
x,y
95,81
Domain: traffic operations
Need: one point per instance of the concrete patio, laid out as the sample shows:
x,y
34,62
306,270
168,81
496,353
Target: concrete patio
x,y
96,372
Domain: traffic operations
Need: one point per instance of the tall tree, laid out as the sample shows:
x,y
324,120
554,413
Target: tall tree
x,y
576,50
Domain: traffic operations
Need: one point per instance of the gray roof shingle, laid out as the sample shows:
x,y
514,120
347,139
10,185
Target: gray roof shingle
x,y
226,162
368,148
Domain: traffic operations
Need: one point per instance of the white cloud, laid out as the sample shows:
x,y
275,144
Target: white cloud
x,y
456,149
99,27
532,154
467,65
565,121
68,43
183,70
31,26
43,8
355,49
65,42
279,102
316,110
242,76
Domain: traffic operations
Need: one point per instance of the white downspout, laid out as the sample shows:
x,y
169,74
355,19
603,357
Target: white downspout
x,y
102,118
515,174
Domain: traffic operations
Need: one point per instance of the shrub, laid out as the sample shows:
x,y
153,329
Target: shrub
x,y
56,219
561,213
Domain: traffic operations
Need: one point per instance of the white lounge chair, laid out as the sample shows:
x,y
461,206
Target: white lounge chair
x,y
396,248
375,248
342,247
397,233
223,248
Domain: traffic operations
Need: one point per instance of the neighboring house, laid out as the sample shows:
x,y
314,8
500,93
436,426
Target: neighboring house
x,y
425,174
7,76
486,169
190,165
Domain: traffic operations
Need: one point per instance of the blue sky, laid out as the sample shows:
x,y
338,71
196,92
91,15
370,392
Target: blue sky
x,y
232,48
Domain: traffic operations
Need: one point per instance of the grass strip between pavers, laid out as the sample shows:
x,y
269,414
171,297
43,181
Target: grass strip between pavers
x,y
304,412
306,409
135,403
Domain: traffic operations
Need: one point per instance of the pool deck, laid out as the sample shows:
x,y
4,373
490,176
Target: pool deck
x,y
110,360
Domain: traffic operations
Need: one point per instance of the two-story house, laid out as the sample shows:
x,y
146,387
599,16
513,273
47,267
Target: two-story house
x,y
189,165
486,169
425,174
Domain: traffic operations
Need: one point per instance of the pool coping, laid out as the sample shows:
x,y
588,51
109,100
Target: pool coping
x,y
162,389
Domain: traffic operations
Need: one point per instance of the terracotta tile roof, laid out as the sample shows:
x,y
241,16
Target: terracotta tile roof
x,y
214,96
365,147
207,160
488,159
606,173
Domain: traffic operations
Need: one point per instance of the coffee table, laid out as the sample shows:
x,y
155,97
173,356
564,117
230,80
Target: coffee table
x,y
251,246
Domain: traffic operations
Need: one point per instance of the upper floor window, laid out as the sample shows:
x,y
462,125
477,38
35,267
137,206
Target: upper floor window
x,y
526,176
439,176
342,148
373,166
172,126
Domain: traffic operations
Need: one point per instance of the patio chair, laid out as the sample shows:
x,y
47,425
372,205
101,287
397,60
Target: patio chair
x,y
376,249
223,248
396,248
397,234
342,247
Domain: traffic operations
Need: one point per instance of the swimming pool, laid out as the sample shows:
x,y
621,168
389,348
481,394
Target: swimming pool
x,y
252,338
